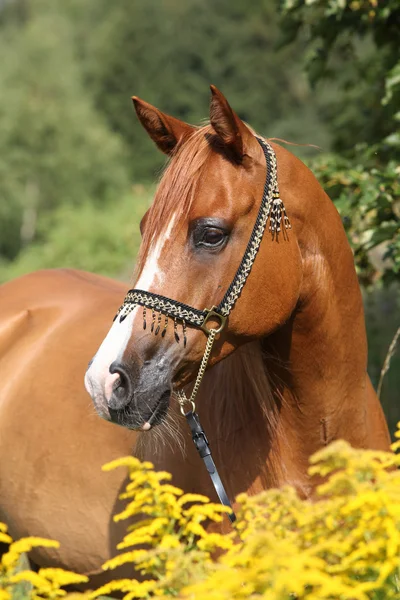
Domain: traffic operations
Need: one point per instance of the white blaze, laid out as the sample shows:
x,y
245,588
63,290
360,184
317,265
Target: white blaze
x,y
117,339
151,273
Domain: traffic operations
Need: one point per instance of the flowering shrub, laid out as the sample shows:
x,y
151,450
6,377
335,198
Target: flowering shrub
x,y
345,546
177,544
46,584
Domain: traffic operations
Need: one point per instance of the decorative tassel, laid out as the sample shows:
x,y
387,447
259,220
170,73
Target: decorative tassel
x,y
144,318
158,324
118,312
164,331
184,333
176,331
153,319
287,224
128,308
275,219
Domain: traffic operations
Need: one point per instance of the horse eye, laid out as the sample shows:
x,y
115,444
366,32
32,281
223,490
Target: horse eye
x,y
213,237
209,234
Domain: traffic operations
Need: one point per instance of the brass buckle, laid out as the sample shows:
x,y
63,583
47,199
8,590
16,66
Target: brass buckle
x,y
213,314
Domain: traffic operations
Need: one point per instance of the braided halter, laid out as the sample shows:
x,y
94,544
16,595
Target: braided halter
x,y
271,208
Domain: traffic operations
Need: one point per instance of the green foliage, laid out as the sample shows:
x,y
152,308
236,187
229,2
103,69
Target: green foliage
x,y
169,52
357,42
368,198
102,239
54,149
68,133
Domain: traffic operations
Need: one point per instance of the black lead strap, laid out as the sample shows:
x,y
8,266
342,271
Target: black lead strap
x,y
203,448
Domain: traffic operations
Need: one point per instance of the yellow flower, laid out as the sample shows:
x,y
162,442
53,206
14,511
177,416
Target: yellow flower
x,y
10,558
60,577
344,546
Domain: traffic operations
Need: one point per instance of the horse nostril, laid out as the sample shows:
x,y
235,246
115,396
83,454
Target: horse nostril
x,y
122,389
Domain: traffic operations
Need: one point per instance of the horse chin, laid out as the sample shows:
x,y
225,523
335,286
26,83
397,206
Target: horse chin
x,y
136,418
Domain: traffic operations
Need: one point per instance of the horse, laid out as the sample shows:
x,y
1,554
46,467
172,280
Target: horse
x,y
52,444
286,374
293,295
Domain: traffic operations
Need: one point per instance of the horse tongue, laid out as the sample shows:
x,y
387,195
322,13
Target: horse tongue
x,y
146,427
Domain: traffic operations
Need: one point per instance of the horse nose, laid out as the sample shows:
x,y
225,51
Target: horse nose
x,y
118,386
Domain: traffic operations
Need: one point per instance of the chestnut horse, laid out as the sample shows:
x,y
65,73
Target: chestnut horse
x,y
289,369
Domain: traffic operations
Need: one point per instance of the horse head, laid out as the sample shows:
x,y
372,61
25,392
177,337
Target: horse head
x,y
194,237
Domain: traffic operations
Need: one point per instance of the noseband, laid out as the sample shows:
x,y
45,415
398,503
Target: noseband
x,y
271,208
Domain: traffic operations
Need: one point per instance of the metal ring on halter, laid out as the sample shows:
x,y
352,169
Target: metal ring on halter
x,y
183,400
216,316
182,404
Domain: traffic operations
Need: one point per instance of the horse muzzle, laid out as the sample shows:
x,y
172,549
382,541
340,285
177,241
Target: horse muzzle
x,y
127,396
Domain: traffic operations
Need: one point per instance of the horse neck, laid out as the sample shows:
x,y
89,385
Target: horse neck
x,y
275,402
326,390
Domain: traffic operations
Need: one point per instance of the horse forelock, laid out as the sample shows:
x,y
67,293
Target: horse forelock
x,y
177,188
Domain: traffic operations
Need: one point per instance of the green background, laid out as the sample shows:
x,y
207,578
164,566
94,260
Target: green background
x,y
77,171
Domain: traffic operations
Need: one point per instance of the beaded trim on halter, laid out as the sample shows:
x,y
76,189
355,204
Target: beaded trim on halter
x,y
271,208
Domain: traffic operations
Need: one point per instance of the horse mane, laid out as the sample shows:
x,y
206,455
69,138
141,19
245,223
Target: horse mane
x,y
177,186
242,385
239,394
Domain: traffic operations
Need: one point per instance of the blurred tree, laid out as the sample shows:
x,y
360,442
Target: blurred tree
x,y
357,43
169,52
54,148
69,72
102,241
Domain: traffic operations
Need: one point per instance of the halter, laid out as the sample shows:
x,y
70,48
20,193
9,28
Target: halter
x,y
271,208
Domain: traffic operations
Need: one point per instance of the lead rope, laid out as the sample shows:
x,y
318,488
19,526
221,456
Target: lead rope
x,y
198,434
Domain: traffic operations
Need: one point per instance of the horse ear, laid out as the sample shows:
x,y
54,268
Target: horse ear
x,y
228,126
164,130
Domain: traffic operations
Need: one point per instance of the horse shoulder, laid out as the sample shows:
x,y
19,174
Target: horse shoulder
x,y
52,445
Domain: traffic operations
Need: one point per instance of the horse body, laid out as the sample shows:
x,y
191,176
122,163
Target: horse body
x,y
52,445
289,372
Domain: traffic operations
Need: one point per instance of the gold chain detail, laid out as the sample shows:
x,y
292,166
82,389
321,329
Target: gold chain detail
x,y
182,399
